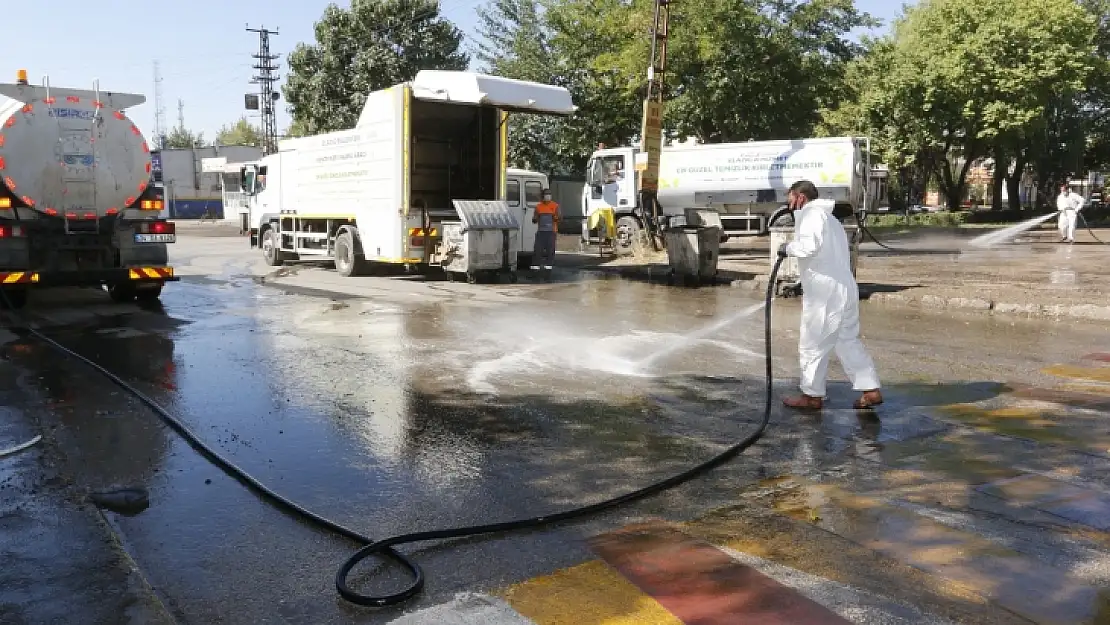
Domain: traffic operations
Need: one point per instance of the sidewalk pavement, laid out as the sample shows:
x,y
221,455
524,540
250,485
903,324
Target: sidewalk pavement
x,y
1033,276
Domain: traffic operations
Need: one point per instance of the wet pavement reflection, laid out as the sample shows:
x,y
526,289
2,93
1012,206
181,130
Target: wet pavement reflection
x,y
394,418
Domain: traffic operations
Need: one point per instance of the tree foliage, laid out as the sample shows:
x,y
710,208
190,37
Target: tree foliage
x,y
372,45
736,69
1023,84
515,42
183,138
960,80
241,132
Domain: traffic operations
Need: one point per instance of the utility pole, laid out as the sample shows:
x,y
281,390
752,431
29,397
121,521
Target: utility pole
x,y
159,109
651,132
180,114
265,78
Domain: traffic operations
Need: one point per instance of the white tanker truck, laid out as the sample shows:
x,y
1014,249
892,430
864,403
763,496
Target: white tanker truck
x,y
77,207
746,183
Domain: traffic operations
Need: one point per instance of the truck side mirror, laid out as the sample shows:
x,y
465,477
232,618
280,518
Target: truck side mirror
x,y
247,179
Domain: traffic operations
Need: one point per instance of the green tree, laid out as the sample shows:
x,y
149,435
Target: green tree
x,y
960,80
514,44
296,129
182,138
241,132
737,69
372,45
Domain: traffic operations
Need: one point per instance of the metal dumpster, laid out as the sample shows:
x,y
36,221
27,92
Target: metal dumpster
x,y
483,243
692,252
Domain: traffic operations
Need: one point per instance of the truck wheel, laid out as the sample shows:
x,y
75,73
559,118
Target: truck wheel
x,y
347,263
630,236
15,298
121,292
271,249
150,293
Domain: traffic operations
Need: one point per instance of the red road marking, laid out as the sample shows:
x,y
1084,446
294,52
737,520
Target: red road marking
x,y
1098,357
700,584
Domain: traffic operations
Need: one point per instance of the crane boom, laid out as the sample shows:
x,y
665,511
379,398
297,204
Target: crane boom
x,y
651,130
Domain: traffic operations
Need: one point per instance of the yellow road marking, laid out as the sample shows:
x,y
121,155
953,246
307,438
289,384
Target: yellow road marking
x,y
588,593
1093,374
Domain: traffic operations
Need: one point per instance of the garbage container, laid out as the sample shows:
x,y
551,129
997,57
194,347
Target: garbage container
x,y
692,252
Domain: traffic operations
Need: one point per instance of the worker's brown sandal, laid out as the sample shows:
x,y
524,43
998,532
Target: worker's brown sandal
x,y
869,399
804,402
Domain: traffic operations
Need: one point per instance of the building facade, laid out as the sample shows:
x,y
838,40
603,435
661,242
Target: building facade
x,y
190,191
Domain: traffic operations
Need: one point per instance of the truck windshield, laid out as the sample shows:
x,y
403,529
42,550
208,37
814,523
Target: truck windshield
x,y
614,168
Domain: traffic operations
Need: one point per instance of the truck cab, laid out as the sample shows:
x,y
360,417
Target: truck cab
x,y
611,183
523,191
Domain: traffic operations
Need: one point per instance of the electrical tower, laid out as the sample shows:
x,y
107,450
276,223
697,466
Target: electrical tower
x,y
159,110
181,114
266,78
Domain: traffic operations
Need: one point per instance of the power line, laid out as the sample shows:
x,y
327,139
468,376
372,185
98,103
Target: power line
x,y
266,78
159,109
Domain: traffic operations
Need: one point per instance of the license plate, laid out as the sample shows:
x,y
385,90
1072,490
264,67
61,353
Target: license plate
x,y
155,238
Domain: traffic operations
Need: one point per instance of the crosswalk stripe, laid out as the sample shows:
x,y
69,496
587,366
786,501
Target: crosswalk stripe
x,y
700,584
587,593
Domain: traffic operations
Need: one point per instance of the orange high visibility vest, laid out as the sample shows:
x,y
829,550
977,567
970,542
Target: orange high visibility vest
x,y
544,208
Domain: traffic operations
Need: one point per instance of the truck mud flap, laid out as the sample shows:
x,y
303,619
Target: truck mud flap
x,y
88,277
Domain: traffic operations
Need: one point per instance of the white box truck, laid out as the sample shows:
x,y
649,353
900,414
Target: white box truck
x,y
77,207
746,183
380,191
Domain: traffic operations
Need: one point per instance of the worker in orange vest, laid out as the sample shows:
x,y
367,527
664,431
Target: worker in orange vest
x,y
546,219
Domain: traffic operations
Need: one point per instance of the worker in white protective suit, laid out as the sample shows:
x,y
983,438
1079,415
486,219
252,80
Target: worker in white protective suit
x,y
1069,203
830,303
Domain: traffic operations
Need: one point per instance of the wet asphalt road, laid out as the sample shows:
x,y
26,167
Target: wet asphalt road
x,y
393,415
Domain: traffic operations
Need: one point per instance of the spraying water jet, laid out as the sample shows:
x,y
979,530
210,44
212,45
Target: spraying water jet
x,y
997,237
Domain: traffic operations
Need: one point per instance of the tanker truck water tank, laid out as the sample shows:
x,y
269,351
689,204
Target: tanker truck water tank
x,y
64,154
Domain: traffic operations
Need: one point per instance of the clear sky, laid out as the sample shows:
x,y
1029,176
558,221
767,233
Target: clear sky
x,y
202,46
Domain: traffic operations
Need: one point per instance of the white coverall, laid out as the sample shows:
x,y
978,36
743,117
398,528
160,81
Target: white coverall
x,y
830,301
1068,204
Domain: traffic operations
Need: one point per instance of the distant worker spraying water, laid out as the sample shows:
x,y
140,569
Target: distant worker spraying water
x,y
1069,203
830,303
546,219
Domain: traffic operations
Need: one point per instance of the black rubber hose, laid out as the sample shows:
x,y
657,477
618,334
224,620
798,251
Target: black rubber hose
x,y
864,229
385,548
1087,225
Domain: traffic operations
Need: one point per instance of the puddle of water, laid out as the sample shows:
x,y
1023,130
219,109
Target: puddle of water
x,y
1063,277
1028,423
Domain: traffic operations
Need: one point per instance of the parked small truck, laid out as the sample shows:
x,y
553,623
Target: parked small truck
x,y
746,183
380,192
77,207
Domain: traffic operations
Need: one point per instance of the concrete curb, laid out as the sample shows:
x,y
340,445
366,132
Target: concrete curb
x,y
1090,312
928,301
906,299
